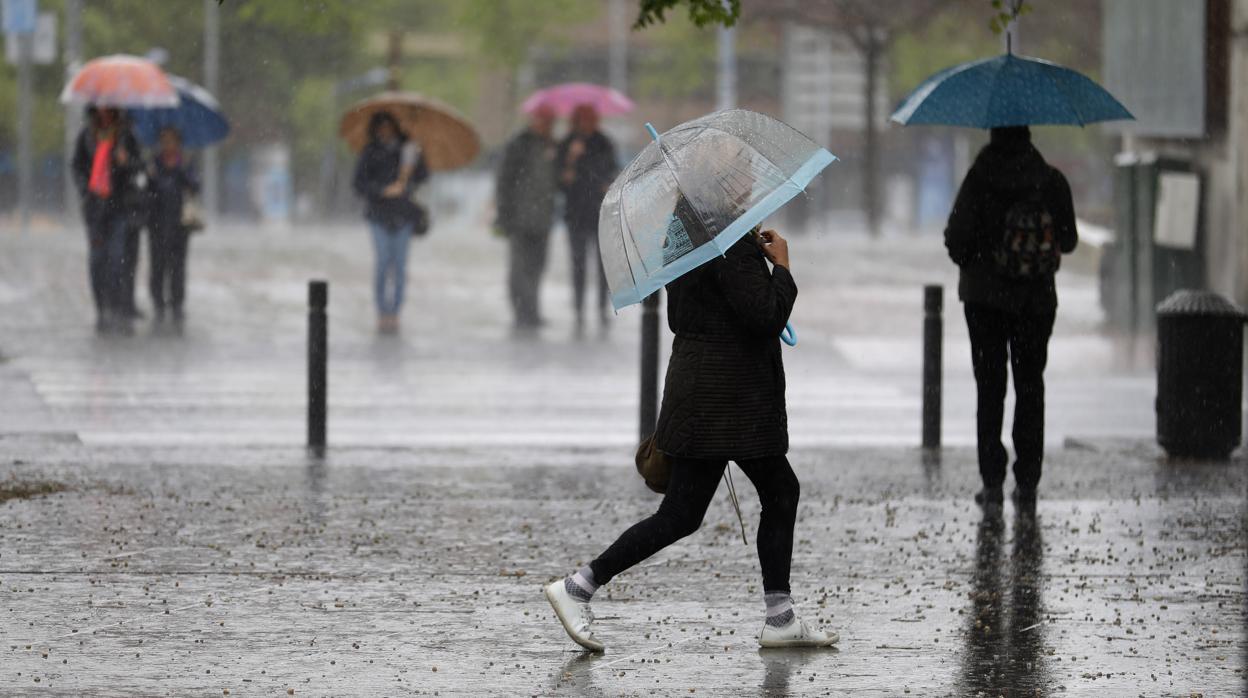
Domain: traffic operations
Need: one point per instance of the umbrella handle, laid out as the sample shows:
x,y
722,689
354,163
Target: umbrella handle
x,y
789,335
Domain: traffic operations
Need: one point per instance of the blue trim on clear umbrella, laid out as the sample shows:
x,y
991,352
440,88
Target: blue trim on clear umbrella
x,y
726,238
789,335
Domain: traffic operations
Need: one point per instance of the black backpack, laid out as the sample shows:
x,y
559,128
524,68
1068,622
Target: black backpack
x,y
1028,247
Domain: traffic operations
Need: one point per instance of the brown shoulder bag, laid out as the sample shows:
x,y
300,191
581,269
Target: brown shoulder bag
x,y
653,465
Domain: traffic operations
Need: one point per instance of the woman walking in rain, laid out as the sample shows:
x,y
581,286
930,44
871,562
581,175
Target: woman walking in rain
x,y
723,400
173,179
388,171
724,395
105,165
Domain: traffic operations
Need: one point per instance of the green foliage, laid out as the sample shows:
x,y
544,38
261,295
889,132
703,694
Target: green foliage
x,y
701,12
47,115
506,29
1006,12
679,62
946,40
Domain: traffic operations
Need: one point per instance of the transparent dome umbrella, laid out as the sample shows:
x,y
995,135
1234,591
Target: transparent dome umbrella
x,y
696,190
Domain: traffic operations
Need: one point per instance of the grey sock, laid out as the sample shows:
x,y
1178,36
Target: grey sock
x,y
580,585
779,608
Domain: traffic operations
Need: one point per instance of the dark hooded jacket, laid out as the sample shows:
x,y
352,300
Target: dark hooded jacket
x,y
127,195
724,392
525,187
1007,170
377,168
594,171
169,187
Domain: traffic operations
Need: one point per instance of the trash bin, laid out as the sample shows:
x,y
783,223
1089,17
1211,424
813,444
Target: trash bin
x,y
1200,361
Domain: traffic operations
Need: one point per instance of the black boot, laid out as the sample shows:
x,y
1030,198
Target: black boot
x,y
990,497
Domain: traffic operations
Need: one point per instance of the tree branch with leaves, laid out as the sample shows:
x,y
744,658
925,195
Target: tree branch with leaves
x,y
701,12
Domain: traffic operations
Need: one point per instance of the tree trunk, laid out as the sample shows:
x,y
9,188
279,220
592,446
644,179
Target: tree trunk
x,y
871,158
394,59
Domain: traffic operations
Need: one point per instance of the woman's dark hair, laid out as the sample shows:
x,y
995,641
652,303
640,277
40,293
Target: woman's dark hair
x,y
383,117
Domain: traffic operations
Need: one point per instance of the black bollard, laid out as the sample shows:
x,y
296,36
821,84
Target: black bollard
x,y
933,336
318,355
649,364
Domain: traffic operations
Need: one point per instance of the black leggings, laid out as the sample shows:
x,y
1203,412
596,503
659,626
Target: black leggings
x,y
689,492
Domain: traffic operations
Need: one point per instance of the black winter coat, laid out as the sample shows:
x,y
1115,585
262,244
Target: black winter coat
x,y
593,171
127,197
378,168
1003,174
168,190
525,188
724,395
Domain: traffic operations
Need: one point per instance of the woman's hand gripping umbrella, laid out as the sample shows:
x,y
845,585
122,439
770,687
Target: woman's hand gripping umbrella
x,y
695,191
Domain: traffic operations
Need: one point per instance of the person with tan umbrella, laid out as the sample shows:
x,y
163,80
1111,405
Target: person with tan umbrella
x,y
387,173
402,137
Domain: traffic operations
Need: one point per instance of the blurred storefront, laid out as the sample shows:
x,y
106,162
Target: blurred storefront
x,y
1182,175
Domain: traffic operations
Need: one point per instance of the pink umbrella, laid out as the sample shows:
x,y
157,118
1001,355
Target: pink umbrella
x,y
570,95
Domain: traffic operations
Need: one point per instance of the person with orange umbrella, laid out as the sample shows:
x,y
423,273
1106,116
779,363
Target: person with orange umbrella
x,y
106,163
108,170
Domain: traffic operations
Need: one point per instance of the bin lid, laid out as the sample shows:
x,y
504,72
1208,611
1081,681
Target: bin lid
x,y
1198,303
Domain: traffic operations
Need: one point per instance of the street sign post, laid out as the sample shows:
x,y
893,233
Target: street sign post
x,y
42,42
20,18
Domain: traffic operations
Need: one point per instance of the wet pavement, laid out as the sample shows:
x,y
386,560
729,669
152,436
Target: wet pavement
x,y
457,375
162,532
379,572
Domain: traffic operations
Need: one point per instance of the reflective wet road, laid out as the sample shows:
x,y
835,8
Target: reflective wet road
x,y
161,531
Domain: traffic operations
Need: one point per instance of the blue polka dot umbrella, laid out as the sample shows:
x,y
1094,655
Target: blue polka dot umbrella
x,y
1008,90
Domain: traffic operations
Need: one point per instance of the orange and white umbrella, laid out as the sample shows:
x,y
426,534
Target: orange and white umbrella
x,y
126,82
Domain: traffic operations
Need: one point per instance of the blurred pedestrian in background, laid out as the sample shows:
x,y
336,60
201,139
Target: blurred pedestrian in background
x,y
108,171
587,166
388,171
172,182
1012,221
525,195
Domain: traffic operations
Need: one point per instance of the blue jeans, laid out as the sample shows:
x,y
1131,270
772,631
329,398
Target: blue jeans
x,y
390,271
106,260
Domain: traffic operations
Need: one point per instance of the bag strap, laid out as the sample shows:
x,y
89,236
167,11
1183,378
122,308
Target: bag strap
x,y
732,494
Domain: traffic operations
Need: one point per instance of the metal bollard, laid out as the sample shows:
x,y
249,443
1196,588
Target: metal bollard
x,y
649,364
318,355
933,337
